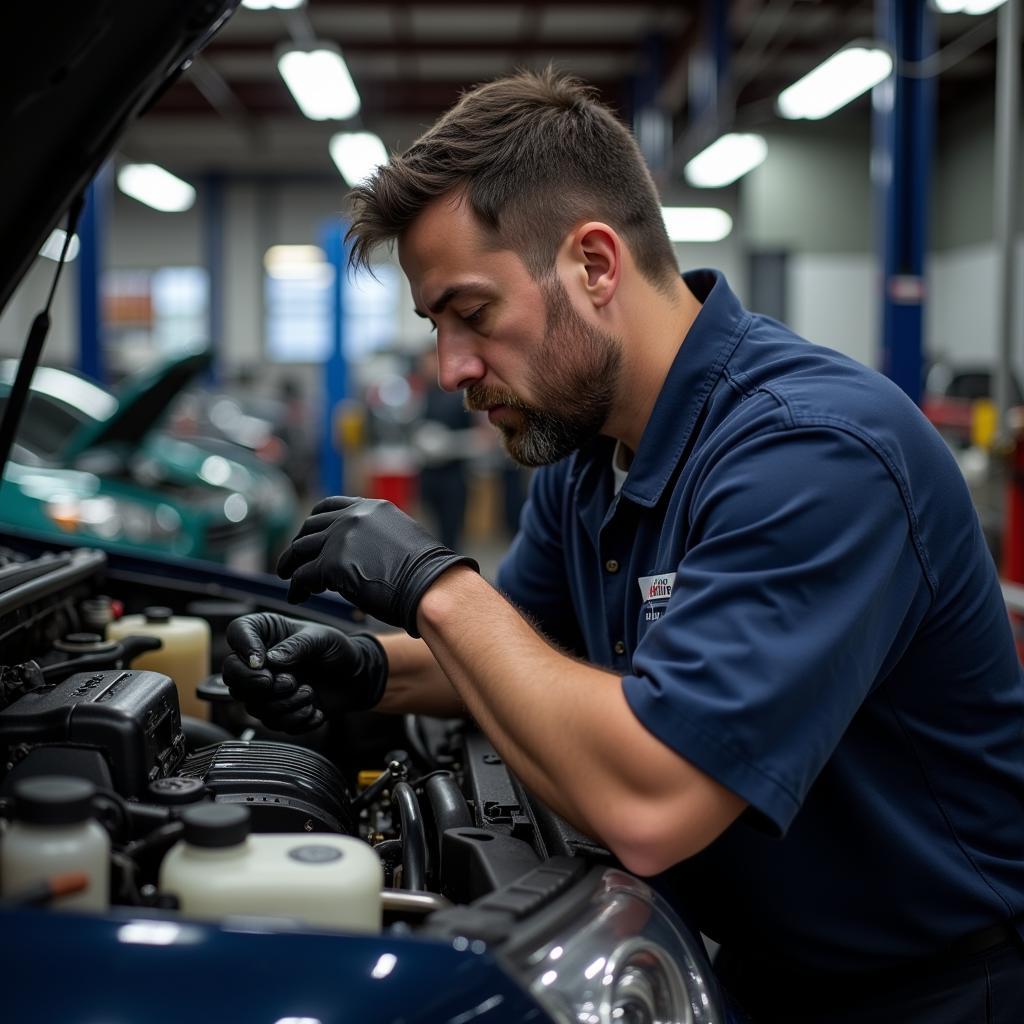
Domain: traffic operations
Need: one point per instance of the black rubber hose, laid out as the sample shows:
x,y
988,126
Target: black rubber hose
x,y
414,839
390,853
448,809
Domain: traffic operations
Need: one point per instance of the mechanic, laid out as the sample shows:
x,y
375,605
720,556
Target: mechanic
x,y
749,629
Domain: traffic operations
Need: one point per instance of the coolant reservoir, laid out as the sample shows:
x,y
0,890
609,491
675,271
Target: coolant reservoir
x,y
185,655
53,833
218,869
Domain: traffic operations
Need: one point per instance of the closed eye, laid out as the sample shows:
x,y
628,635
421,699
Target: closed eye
x,y
474,317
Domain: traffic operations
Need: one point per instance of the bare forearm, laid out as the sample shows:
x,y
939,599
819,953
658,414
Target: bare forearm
x,y
566,730
495,660
416,683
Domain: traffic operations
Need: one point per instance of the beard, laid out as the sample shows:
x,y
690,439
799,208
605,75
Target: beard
x,y
574,379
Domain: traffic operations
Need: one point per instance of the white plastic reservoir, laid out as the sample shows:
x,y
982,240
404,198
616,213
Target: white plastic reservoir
x,y
185,655
218,869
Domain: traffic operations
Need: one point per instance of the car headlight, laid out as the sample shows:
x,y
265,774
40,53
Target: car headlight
x,y
115,519
624,959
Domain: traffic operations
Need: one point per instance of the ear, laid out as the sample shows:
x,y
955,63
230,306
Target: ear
x,y
597,252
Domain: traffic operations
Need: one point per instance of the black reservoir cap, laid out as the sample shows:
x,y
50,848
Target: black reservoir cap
x,y
216,825
175,790
53,800
157,613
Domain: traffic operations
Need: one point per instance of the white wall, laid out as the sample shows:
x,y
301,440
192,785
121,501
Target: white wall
x,y
61,346
961,322
833,300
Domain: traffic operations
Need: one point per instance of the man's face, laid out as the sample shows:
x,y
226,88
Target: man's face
x,y
521,351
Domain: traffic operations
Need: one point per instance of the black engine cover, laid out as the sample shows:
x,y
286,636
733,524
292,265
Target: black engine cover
x,y
130,717
287,788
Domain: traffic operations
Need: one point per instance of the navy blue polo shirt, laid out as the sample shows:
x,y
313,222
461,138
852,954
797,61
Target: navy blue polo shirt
x,y
794,586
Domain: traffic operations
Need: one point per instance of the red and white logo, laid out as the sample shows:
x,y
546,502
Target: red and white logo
x,y
657,588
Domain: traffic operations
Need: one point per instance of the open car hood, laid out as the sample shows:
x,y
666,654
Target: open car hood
x,y
142,402
72,79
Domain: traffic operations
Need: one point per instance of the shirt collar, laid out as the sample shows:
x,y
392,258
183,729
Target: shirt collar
x,y
696,368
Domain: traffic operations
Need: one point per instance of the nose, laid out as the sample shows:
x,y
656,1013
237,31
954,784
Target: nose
x,y
458,363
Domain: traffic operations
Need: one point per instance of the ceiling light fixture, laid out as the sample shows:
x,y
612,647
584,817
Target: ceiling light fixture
x,y
725,160
357,155
269,5
846,75
696,223
320,82
296,263
152,185
967,6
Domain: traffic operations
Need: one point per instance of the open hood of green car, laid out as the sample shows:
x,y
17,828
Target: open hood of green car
x,y
142,402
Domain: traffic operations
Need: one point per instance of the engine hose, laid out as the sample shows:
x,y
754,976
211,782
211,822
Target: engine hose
x,y
414,839
449,810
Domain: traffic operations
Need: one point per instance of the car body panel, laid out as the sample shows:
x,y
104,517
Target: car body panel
x,y
156,970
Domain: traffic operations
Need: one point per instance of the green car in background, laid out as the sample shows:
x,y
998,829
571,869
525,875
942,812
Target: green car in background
x,y
92,463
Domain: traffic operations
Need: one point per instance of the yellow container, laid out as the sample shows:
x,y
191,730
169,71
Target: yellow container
x,y
185,655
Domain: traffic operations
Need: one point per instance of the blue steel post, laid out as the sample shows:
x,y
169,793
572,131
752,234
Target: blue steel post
x,y
651,124
710,68
332,466
92,228
213,257
902,146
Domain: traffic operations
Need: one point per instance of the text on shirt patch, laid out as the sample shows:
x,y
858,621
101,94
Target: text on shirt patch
x,y
656,588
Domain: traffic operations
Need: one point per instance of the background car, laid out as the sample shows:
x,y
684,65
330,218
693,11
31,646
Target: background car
x,y
100,438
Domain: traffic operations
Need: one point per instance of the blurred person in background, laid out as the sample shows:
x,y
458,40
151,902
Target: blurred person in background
x,y
443,439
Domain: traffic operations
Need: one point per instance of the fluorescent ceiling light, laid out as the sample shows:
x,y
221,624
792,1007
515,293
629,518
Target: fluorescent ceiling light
x,y
320,82
696,223
725,160
296,263
967,6
267,5
54,245
357,155
835,82
155,187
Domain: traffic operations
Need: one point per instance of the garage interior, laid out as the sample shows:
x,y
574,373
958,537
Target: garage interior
x,y
214,368
814,236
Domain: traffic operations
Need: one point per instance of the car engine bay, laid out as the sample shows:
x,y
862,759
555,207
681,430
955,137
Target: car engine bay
x,y
458,849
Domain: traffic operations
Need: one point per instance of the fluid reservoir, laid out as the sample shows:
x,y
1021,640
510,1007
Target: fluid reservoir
x,y
185,655
54,832
218,869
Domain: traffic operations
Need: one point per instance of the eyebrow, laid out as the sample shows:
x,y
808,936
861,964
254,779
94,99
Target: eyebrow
x,y
445,297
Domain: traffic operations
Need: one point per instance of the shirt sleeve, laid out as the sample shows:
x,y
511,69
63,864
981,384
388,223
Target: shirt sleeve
x,y
799,576
534,574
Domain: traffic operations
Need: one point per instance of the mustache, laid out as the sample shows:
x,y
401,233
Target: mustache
x,y
481,397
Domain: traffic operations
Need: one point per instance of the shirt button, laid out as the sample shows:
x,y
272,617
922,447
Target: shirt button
x,y
620,647
611,565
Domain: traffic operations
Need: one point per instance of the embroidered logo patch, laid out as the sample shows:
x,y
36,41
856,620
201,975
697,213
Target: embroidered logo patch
x,y
657,588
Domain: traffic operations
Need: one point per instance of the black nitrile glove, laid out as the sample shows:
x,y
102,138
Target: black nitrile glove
x,y
371,553
288,673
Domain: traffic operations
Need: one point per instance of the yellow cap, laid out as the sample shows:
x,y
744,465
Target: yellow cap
x,y
367,777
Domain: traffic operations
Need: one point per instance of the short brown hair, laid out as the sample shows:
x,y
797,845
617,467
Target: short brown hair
x,y
533,153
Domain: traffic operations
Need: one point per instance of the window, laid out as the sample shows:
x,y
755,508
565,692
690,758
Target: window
x,y
149,313
299,314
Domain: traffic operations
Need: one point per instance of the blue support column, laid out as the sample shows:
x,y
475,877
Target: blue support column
x,y
213,257
651,124
902,146
92,230
710,66
332,466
